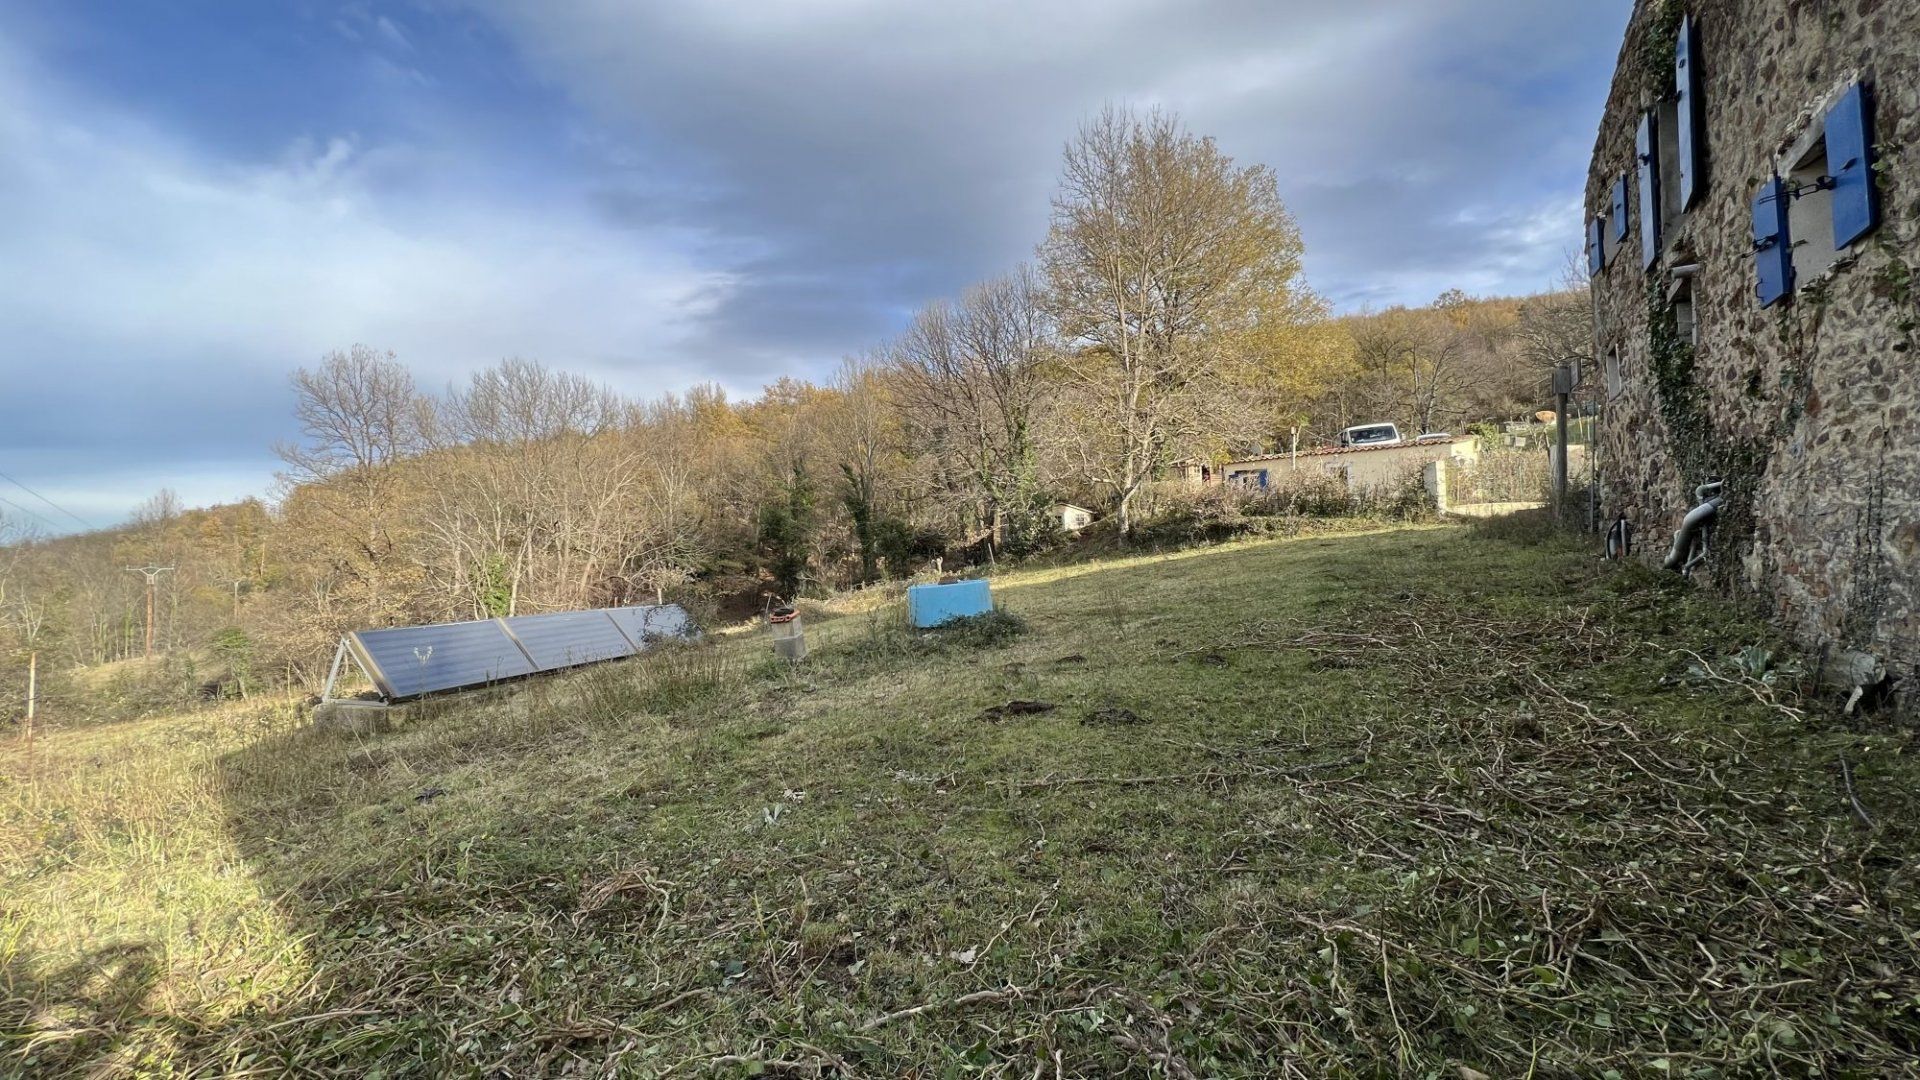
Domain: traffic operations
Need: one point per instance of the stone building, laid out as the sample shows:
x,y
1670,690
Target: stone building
x,y
1754,209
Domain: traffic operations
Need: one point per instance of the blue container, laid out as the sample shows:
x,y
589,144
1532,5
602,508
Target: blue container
x,y
931,605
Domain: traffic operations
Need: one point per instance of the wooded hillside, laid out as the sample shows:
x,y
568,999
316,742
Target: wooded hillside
x,y
1166,319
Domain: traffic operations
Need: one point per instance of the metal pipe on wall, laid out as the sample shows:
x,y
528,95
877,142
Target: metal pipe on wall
x,y
1697,519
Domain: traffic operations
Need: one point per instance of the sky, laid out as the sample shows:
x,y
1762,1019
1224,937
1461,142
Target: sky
x,y
198,197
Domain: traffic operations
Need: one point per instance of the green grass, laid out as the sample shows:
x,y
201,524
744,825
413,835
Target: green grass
x,y
1420,801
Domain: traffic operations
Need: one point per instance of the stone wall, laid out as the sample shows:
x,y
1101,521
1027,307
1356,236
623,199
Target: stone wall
x,y
1805,409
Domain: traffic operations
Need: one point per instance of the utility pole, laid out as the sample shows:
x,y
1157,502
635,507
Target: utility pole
x,y
152,574
1562,389
33,688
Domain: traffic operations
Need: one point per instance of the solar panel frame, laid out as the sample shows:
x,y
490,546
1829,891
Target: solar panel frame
x,y
408,661
648,623
569,638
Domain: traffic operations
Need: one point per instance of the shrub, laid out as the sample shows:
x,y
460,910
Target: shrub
x,y
1215,514
988,630
890,637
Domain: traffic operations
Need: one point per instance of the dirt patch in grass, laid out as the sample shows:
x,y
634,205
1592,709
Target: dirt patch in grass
x,y
1017,707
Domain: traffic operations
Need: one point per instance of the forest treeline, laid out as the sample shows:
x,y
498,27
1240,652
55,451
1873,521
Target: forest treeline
x,y
1165,319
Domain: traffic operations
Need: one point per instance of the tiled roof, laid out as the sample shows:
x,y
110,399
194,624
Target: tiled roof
x,y
1327,451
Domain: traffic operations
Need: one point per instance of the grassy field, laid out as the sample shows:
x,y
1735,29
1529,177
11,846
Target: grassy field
x,y
1412,802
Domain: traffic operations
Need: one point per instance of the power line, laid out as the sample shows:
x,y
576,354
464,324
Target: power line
x,y
49,502
29,513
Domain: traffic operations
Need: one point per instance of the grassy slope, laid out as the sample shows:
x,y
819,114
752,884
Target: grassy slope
x,y
1393,804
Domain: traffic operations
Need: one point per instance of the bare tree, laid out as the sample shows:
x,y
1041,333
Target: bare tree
x,y
1417,361
1556,328
539,502
524,403
357,410
157,509
971,377
1163,254
861,431
362,420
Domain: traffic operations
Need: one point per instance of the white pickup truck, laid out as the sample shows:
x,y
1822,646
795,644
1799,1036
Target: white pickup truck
x,y
1371,435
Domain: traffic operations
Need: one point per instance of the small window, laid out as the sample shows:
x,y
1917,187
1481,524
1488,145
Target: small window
x,y
1683,319
1616,382
1608,230
1810,213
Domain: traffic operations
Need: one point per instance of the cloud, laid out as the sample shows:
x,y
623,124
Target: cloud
x,y
910,149
157,299
655,194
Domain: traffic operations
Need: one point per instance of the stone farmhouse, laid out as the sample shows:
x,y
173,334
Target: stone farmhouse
x,y
1753,239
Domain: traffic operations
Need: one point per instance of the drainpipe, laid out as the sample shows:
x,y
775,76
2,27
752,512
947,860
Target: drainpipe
x,y
1697,519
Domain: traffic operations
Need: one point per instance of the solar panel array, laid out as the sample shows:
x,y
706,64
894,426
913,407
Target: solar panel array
x,y
407,661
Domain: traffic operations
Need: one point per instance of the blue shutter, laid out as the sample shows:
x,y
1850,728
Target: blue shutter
x,y
1692,131
1856,205
1620,210
1596,246
1772,246
1646,148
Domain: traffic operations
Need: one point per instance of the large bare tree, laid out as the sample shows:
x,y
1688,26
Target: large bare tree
x,y
1163,256
361,420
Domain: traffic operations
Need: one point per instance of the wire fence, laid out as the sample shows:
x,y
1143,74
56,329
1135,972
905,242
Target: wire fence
x,y
1500,477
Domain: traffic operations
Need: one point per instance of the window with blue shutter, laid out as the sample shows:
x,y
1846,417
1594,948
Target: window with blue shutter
x,y
1856,203
1596,246
1646,149
1772,244
1620,209
1691,115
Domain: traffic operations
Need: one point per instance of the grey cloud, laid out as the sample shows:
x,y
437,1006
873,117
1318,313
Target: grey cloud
x,y
769,186
882,155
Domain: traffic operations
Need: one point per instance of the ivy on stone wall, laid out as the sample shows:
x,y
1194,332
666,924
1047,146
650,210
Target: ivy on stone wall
x,y
1895,283
1670,360
1657,48
1702,455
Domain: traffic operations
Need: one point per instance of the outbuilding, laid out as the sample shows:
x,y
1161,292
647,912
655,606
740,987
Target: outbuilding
x,y
1071,518
1359,467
